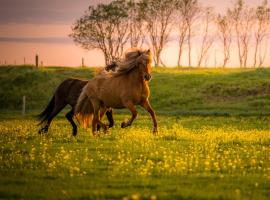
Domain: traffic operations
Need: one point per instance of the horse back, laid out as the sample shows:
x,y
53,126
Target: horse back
x,y
69,90
115,91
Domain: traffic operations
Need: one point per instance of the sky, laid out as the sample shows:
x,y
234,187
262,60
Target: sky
x,y
30,27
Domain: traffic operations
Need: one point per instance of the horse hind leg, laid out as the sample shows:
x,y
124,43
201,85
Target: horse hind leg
x,y
69,117
96,119
44,129
99,125
109,115
55,112
96,125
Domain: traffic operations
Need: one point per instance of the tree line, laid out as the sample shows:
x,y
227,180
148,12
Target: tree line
x,y
122,24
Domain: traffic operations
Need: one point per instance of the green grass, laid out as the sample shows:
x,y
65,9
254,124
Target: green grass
x,y
38,85
212,92
173,91
191,158
213,140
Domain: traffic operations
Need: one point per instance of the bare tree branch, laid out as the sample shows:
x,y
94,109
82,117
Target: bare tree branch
x,y
158,17
262,27
242,17
224,25
207,37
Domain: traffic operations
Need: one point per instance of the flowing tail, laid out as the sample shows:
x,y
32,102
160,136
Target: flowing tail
x,y
44,116
84,109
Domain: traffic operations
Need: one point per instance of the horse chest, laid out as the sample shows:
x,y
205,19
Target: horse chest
x,y
145,92
141,94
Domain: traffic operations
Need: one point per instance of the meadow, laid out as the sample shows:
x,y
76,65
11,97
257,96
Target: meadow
x,y
213,140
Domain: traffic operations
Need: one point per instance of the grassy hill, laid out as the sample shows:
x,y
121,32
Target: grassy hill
x,y
173,91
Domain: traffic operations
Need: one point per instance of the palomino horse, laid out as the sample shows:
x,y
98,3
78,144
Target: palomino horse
x,y
125,88
68,93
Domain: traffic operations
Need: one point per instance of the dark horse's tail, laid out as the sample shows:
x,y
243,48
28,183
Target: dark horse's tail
x,y
44,116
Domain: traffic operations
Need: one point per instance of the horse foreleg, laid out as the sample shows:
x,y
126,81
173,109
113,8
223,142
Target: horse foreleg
x,y
109,114
146,105
69,117
134,113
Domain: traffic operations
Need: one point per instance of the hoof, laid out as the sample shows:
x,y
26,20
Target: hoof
x,y
74,133
98,127
124,125
43,131
155,131
96,135
105,128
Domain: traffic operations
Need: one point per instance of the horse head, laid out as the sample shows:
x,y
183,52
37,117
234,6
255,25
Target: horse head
x,y
135,59
144,64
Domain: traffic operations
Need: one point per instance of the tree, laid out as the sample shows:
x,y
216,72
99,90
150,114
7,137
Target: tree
x,y
137,29
242,17
262,26
207,38
182,30
105,28
189,10
225,35
158,17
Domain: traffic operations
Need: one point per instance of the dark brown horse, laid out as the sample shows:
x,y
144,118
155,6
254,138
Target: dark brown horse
x,y
68,93
125,88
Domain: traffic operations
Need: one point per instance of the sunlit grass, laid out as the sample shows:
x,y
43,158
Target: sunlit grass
x,y
225,158
174,91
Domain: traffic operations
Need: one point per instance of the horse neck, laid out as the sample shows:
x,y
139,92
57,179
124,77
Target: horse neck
x,y
135,77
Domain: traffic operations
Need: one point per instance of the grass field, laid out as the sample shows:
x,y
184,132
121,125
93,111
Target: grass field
x,y
173,91
213,141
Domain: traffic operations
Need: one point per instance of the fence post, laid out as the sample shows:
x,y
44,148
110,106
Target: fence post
x,y
215,58
82,62
24,61
23,105
36,60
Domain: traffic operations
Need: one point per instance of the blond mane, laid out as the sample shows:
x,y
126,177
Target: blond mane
x,y
131,60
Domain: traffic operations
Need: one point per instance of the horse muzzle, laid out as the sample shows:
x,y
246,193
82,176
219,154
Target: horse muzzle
x,y
147,77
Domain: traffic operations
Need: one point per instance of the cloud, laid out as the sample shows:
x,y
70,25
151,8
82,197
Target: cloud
x,y
43,11
52,40
64,11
